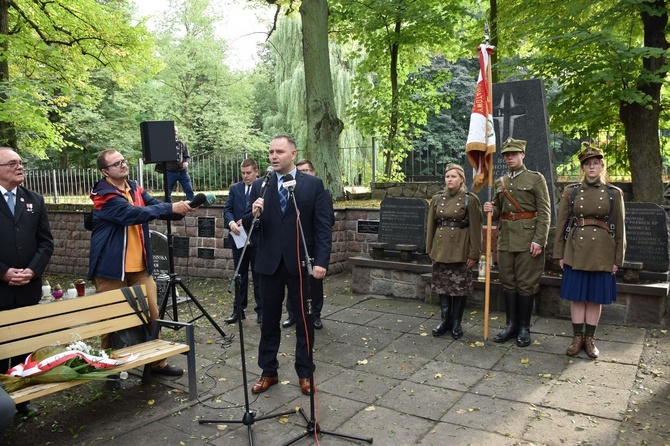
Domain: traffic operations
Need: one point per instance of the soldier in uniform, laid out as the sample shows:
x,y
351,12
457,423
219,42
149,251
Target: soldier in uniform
x,y
453,242
521,206
590,244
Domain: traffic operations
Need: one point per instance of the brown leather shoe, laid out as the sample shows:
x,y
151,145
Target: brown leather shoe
x,y
576,346
590,347
264,384
304,385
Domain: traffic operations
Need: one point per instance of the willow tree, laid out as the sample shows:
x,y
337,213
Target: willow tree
x,y
397,37
610,60
47,51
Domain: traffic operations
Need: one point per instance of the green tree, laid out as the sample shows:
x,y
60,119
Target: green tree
x,y
48,50
210,102
610,60
397,37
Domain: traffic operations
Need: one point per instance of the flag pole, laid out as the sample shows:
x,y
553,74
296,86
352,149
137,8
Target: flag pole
x,y
489,215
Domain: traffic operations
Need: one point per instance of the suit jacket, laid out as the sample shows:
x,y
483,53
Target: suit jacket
x,y
235,207
26,242
278,234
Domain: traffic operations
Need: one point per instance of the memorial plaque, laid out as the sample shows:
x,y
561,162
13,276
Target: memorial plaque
x,y
180,246
520,111
205,253
160,253
367,226
647,236
402,221
206,226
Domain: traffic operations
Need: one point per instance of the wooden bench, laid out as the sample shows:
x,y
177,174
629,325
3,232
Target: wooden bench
x,y
24,330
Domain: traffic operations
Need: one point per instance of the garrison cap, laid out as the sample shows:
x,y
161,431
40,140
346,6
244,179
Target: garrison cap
x,y
588,151
513,145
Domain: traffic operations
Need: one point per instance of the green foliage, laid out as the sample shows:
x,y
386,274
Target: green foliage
x,y
395,39
50,51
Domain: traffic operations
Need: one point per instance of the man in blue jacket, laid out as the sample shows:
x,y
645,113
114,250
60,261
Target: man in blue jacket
x,y
280,253
120,252
233,211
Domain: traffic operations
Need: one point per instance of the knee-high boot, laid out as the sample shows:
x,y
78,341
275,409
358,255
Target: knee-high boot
x,y
524,312
458,303
512,325
445,324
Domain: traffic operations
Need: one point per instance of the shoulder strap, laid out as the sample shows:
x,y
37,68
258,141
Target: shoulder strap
x,y
509,196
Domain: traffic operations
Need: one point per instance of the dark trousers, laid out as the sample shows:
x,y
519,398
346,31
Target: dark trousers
x,y
317,301
249,259
273,288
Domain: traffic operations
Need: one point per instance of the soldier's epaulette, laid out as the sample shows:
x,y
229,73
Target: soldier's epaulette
x,y
612,186
534,171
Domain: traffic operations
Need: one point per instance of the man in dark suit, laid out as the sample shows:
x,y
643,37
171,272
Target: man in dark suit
x,y
280,254
307,167
233,211
27,245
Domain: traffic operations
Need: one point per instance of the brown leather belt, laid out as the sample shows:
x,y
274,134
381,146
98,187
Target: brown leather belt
x,y
518,216
453,223
591,222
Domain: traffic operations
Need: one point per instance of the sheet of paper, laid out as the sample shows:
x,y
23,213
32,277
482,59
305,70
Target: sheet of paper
x,y
239,239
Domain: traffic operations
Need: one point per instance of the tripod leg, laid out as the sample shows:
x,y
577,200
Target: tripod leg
x,y
200,307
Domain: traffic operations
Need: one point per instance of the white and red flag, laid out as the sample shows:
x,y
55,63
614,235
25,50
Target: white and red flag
x,y
481,143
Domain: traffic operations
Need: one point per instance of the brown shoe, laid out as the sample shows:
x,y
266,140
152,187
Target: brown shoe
x,y
304,386
264,384
576,346
590,347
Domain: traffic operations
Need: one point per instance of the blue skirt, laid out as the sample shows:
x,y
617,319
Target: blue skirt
x,y
588,286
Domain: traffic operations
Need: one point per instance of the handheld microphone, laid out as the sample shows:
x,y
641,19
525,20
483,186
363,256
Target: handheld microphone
x,y
202,200
266,179
289,182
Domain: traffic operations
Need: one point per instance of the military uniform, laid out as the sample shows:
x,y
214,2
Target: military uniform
x,y
453,236
590,240
519,225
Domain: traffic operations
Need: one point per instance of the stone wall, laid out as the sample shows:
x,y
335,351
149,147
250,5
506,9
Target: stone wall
x,y
72,241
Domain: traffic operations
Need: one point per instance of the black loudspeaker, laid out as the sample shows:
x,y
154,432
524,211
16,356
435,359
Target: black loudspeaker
x,y
158,141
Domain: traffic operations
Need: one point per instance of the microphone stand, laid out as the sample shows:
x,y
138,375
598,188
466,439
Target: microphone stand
x,y
249,417
312,428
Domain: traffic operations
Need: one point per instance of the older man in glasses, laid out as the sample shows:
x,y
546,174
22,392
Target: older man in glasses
x,y
26,243
120,253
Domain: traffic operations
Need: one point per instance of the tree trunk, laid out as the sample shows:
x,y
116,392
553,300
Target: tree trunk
x,y
323,125
391,144
7,131
641,120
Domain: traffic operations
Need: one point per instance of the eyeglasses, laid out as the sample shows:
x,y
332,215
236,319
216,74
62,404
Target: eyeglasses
x,y
591,164
15,164
117,164
305,170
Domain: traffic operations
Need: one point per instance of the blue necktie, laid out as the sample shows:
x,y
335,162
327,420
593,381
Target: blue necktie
x,y
283,195
10,201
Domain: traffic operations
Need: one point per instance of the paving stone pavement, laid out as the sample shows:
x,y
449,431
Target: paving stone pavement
x,y
380,374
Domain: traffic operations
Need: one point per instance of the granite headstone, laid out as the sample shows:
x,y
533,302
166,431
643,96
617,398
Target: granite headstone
x,y
647,236
403,221
206,226
520,111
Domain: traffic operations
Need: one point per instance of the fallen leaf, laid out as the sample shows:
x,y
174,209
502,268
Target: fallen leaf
x,y
525,361
370,409
363,362
151,402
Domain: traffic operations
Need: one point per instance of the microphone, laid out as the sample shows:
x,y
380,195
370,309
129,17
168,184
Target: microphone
x,y
289,182
202,200
266,179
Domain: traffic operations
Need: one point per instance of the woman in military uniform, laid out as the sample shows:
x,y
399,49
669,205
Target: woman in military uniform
x,y
590,244
453,242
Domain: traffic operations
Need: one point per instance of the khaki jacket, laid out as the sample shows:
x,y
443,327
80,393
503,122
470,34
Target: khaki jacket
x,y
449,244
529,189
591,248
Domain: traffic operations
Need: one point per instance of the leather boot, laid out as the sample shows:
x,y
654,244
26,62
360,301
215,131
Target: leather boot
x,y
511,328
524,312
576,345
458,303
590,347
445,324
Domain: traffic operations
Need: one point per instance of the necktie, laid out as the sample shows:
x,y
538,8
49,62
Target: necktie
x,y
10,201
283,195
246,191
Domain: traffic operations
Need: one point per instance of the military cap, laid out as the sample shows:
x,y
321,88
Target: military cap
x,y
588,151
454,166
513,145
